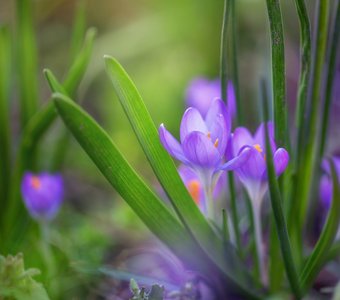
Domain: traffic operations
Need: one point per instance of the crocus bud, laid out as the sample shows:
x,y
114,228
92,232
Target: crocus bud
x,y
42,194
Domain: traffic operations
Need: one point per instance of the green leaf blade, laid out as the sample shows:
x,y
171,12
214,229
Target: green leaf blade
x,y
27,61
5,140
167,174
102,151
278,71
80,63
319,255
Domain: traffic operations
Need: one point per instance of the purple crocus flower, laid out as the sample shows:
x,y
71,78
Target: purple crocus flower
x,y
203,145
201,92
196,187
253,173
42,194
203,141
326,185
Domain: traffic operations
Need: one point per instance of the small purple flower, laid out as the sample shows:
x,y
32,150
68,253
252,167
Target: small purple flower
x,y
201,92
253,174
42,194
326,185
196,187
203,141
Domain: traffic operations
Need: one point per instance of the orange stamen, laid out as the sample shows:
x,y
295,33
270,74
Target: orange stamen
x,y
258,148
194,190
35,182
216,143
209,135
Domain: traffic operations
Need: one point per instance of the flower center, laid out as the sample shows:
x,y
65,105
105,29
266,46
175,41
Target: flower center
x,y
35,182
258,148
216,141
194,190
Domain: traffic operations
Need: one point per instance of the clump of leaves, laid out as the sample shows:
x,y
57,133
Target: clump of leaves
x,y
156,292
16,283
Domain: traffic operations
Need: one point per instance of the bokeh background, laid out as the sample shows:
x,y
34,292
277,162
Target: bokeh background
x,y
163,45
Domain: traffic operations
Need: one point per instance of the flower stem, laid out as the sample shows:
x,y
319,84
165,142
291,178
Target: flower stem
x,y
210,199
256,205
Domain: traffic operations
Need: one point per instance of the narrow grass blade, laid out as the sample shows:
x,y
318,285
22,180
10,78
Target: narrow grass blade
x,y
317,259
26,61
102,151
333,53
307,166
234,55
278,71
79,65
223,51
79,29
228,9
225,227
280,222
5,148
305,70
166,171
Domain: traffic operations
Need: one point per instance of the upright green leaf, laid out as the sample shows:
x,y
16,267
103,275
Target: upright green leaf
x,y
166,171
280,222
305,69
79,28
234,56
26,61
307,167
333,53
278,71
5,78
229,11
317,259
78,67
103,152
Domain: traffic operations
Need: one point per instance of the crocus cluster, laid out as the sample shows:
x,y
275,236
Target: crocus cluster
x,y
42,194
208,147
203,145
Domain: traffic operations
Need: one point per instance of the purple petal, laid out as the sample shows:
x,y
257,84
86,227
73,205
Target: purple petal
x,y
231,100
260,136
200,151
238,161
192,121
171,144
254,167
240,138
326,191
42,194
201,92
281,160
219,134
327,168
217,108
